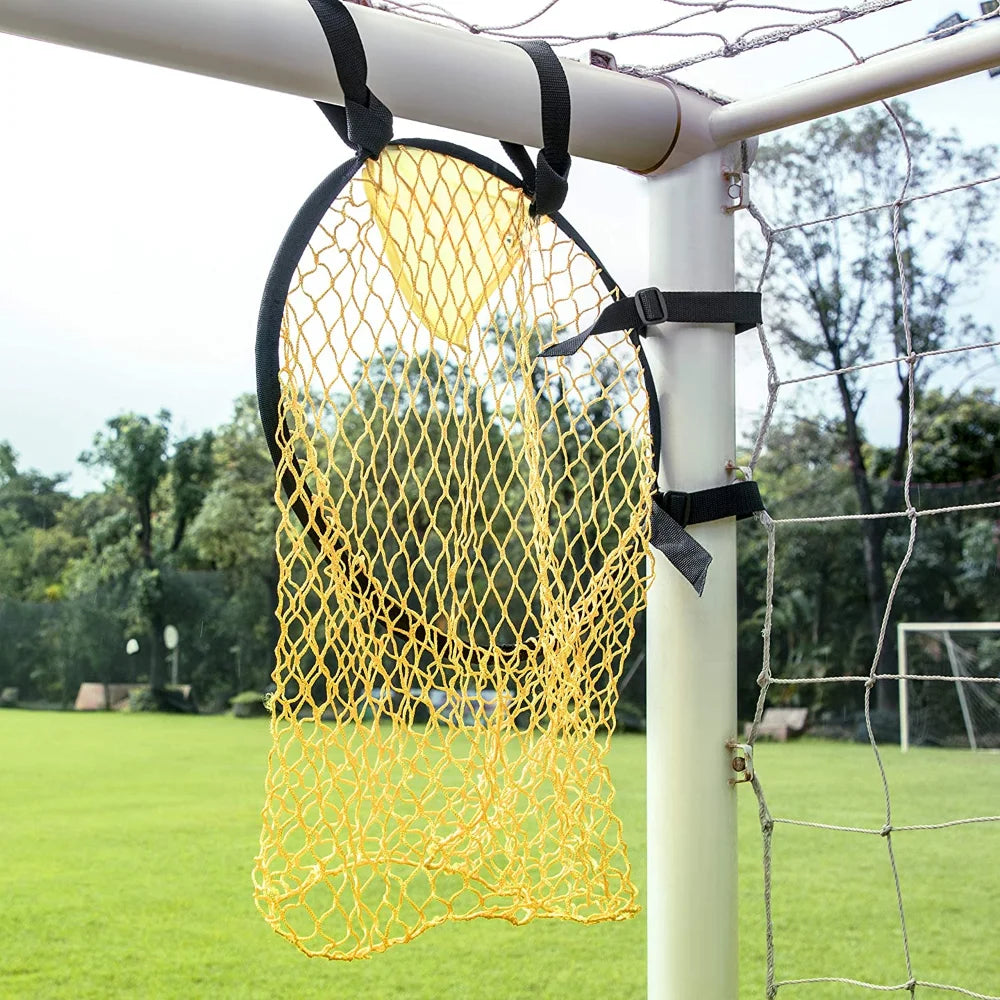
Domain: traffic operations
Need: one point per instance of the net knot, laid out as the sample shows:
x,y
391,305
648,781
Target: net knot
x,y
886,830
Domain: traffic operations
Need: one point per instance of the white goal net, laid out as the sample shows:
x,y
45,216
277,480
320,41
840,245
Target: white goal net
x,y
949,684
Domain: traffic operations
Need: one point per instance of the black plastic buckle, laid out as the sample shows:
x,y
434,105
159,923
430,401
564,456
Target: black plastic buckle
x,y
677,505
651,306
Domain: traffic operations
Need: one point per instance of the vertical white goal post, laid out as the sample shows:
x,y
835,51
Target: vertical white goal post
x,y
903,629
684,141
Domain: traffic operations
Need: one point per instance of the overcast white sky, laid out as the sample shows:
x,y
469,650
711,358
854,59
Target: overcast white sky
x,y
140,209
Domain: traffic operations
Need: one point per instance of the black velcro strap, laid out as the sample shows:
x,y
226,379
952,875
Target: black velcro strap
x,y
547,180
650,306
737,500
685,554
673,511
364,123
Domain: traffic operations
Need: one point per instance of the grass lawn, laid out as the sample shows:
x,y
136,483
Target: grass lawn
x,y
127,843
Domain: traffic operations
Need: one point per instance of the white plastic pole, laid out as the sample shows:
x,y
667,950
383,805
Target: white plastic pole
x,y
875,80
472,83
904,696
423,72
691,893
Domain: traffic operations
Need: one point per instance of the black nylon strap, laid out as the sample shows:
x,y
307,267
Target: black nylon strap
x,y
655,428
525,165
546,180
685,554
673,511
364,123
738,500
650,306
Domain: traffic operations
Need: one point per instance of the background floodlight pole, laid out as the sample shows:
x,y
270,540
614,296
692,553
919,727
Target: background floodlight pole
x,y
172,640
236,651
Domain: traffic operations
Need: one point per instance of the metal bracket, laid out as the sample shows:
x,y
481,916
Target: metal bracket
x,y
602,59
742,762
737,190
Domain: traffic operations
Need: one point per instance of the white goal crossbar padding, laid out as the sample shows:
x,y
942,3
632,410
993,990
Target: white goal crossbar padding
x,y
447,77
904,676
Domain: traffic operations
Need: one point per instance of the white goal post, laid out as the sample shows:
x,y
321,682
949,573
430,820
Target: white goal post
x,y
691,898
902,630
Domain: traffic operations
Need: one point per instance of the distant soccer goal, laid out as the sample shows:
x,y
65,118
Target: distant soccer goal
x,y
949,684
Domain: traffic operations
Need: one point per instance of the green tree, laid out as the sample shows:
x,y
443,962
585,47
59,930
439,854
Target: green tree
x,y
955,463
154,493
836,293
133,449
819,613
818,610
35,546
192,469
234,533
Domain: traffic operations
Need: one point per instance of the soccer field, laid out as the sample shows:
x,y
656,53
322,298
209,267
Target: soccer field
x,y
127,843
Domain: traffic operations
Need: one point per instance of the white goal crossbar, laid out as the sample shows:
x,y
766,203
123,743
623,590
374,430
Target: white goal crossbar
x,y
414,68
902,629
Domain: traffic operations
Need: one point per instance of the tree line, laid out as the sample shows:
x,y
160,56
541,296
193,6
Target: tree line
x,y
182,532
183,529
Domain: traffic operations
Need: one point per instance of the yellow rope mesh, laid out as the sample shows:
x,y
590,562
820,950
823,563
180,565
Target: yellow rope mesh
x,y
455,613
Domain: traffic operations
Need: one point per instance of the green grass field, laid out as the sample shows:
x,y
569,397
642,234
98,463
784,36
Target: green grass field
x,y
127,842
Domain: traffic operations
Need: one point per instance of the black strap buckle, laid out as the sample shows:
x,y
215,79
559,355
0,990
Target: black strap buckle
x,y
677,505
651,305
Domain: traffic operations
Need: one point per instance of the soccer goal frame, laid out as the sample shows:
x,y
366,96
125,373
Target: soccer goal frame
x,y
903,629
695,152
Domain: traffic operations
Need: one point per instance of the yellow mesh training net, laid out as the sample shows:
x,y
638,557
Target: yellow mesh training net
x,y
462,551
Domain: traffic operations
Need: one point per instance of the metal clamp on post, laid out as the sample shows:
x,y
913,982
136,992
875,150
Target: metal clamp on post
x,y
742,763
737,190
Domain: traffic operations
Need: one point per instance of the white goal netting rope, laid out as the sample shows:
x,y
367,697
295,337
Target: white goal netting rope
x,y
909,358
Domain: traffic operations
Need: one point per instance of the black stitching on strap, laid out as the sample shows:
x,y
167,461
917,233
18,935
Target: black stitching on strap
x,y
364,123
546,180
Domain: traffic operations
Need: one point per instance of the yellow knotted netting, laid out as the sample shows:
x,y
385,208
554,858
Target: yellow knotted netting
x,y
462,553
